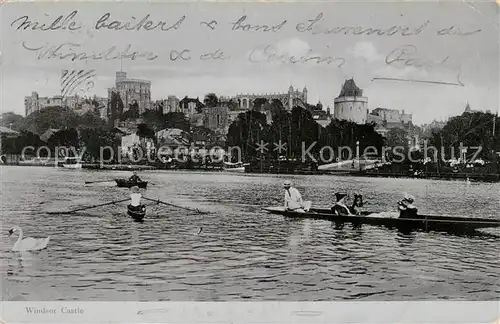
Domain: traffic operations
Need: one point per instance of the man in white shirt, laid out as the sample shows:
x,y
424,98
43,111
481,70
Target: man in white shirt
x,y
135,197
293,199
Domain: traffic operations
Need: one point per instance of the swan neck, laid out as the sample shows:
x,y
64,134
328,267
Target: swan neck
x,y
19,239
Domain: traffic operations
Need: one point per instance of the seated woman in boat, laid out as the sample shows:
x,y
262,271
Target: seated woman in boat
x,y
293,199
406,208
340,207
134,178
135,198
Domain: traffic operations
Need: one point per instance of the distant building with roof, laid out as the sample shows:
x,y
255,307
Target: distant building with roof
x,y
78,104
293,97
7,132
468,109
390,118
350,103
190,106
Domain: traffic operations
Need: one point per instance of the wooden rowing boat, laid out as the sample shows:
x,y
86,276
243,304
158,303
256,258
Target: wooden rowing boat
x,y
423,222
125,183
137,213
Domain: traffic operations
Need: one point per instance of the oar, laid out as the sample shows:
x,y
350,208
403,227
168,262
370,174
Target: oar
x,y
84,208
88,182
169,204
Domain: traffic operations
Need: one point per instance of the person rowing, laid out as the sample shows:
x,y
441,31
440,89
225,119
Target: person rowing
x,y
135,198
293,199
406,208
134,178
340,208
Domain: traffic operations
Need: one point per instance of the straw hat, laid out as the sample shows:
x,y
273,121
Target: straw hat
x,y
287,183
340,195
408,198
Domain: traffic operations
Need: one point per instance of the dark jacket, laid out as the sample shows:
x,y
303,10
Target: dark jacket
x,y
340,210
408,212
134,178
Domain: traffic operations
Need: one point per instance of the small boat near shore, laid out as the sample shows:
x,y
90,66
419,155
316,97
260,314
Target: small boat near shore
x,y
125,183
72,163
137,213
448,224
234,167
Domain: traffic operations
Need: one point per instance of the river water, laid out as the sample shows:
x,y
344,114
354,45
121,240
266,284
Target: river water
x,y
241,253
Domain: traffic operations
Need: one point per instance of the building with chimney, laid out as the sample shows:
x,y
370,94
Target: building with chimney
x,y
350,104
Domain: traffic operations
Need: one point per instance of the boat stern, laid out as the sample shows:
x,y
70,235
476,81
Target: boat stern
x,y
274,209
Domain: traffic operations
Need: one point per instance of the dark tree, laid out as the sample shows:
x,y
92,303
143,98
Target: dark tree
x,y
51,117
211,100
259,104
177,120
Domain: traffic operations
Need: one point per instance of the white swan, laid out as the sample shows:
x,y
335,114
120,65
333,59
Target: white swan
x,y
29,243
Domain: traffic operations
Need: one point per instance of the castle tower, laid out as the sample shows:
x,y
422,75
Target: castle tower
x,y
121,76
350,104
304,95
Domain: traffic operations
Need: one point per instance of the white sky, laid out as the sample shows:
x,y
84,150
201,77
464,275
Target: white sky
x,y
477,56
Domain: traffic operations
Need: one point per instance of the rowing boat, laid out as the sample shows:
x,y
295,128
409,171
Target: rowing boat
x,y
125,183
423,222
137,213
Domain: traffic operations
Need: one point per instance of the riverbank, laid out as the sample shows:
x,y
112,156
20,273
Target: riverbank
x,y
483,177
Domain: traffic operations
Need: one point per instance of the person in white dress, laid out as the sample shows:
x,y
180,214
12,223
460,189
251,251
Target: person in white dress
x,y
293,199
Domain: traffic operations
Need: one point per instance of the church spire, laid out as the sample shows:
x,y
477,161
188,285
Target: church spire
x,y
467,108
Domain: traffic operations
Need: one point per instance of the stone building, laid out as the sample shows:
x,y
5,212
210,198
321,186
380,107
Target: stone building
x,y
132,91
216,118
190,106
389,118
289,99
36,103
172,104
78,104
350,104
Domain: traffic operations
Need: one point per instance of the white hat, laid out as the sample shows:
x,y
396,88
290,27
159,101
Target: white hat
x,y
287,183
409,198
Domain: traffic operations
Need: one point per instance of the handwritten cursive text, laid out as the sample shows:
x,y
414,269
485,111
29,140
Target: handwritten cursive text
x,y
145,23
73,52
61,22
240,25
455,31
267,53
406,55
314,26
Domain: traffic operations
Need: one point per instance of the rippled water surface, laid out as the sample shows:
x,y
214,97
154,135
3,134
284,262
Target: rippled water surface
x,y
242,253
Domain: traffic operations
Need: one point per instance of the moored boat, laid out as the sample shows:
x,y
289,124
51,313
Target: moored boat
x,y
423,222
72,163
234,167
125,183
137,213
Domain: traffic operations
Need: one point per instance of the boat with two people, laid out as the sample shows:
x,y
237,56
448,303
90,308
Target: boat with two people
x,y
408,218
